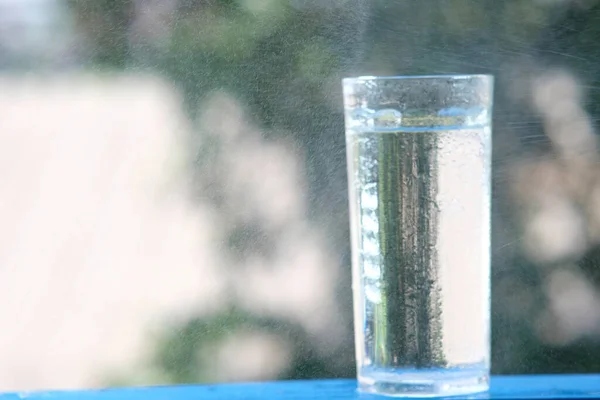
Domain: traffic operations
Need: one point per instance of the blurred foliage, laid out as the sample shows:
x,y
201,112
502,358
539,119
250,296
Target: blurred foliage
x,y
110,23
283,60
185,356
187,353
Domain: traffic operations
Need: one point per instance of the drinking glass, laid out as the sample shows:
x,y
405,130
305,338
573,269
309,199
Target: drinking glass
x,y
419,154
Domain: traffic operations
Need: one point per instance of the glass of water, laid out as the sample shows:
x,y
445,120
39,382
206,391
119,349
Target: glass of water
x,y
418,153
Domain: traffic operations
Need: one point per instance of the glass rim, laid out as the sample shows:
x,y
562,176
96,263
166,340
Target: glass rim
x,y
408,77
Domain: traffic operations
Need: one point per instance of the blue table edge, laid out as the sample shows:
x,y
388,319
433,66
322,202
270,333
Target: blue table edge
x,y
502,387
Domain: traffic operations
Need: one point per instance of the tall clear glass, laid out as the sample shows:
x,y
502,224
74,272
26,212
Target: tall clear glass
x,y
419,153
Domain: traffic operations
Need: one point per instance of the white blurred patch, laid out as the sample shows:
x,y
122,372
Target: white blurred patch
x,y
557,96
99,240
296,285
250,356
555,232
574,309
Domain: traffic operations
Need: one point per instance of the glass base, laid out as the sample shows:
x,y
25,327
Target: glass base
x,y
424,383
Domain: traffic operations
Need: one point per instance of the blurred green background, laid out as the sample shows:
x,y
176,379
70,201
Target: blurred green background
x,y
265,75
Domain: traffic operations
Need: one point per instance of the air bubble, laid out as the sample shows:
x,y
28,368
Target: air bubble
x,y
373,291
370,247
370,223
387,118
371,267
369,200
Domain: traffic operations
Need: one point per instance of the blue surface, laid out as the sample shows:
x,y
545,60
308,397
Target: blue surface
x,y
503,387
